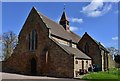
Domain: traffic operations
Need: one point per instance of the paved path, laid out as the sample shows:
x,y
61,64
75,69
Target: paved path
x,y
18,77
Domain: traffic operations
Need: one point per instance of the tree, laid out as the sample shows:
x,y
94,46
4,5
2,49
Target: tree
x,y
117,58
9,41
113,50
115,53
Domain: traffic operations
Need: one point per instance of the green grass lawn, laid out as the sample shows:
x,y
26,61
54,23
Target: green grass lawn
x,y
111,74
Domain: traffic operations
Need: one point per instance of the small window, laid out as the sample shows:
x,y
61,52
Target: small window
x,y
76,62
87,62
82,64
70,43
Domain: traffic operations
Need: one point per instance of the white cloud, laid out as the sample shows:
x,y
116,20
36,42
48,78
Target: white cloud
x,y
78,20
96,8
73,28
75,20
115,38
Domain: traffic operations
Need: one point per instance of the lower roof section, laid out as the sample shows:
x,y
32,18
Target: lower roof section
x,y
75,51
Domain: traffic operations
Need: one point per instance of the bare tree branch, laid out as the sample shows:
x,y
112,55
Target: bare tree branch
x,y
9,41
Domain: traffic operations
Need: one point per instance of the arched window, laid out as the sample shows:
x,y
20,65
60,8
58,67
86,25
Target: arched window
x,y
86,48
36,40
46,55
29,42
32,40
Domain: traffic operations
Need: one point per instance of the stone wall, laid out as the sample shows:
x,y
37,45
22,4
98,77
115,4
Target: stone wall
x,y
64,42
105,60
94,51
78,65
61,64
111,62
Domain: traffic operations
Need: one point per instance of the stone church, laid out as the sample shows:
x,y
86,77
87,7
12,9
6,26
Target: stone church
x,y
52,49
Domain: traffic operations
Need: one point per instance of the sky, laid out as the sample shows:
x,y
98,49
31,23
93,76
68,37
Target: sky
x,y
98,19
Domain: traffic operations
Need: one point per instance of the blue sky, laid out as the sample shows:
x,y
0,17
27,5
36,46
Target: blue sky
x,y
100,19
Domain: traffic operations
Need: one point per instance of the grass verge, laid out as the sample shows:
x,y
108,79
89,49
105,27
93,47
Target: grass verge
x,y
111,74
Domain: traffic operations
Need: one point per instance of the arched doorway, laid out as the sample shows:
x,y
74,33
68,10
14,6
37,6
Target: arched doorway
x,y
33,66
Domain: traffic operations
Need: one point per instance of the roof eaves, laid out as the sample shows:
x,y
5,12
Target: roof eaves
x,y
90,37
42,19
98,43
83,58
75,34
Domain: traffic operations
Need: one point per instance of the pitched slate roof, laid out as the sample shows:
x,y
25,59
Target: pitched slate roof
x,y
58,30
75,51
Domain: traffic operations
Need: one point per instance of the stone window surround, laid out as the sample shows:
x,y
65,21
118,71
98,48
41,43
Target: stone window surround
x,y
32,39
